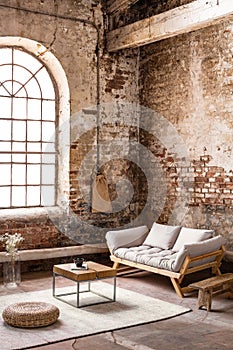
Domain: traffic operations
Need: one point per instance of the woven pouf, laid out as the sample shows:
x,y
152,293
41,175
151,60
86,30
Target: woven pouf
x,y
30,314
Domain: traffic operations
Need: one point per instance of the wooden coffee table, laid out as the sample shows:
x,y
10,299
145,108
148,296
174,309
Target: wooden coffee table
x,y
95,271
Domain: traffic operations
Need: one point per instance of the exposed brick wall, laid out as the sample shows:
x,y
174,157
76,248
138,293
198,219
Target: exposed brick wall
x,y
212,186
38,232
188,81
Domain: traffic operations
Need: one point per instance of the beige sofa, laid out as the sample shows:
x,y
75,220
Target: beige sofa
x,y
172,251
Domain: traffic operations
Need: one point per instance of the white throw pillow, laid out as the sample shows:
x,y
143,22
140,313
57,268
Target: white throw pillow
x,y
162,236
191,235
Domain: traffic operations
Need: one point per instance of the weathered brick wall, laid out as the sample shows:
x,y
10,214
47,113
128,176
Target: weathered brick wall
x,y
188,80
38,231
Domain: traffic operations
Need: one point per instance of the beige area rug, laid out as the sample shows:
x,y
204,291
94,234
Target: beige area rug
x,y
130,309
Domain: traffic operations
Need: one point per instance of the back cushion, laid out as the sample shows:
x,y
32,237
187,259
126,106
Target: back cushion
x,y
197,249
191,235
162,236
128,237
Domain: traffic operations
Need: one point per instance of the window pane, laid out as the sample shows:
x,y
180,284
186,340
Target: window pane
x,y
6,89
33,158
4,197
18,158
5,158
48,174
19,131
48,147
34,109
33,147
48,195
34,131
5,107
5,129
5,56
33,89
5,146
33,174
48,158
18,146
18,196
46,84
5,73
5,171
49,110
21,74
4,92
18,90
48,131
33,196
18,174
19,108
28,60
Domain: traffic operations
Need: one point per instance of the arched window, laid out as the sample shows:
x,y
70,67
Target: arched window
x,y
29,128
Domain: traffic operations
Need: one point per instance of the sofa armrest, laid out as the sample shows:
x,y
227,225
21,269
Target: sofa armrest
x,y
126,238
198,250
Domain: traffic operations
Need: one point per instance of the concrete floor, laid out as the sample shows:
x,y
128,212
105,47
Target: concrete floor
x,y
198,329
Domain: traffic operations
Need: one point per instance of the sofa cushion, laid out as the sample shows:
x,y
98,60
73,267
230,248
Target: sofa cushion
x,y
126,238
162,236
195,249
150,256
191,235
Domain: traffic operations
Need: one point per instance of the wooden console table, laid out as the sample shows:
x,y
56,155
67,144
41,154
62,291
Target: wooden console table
x,y
212,286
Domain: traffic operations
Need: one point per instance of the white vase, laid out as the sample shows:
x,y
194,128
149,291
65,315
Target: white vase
x,y
11,270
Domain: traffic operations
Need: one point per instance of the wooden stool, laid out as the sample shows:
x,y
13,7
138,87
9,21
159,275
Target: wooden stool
x,y
30,314
212,286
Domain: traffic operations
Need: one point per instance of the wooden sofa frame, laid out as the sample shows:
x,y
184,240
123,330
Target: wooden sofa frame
x,y
177,277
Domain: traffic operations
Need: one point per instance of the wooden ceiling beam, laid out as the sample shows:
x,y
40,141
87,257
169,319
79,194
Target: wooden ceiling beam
x,y
193,16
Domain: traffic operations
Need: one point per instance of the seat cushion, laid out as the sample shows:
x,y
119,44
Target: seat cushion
x,y
151,256
162,236
191,235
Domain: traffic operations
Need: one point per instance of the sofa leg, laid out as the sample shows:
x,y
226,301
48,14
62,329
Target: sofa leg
x,y
177,287
115,265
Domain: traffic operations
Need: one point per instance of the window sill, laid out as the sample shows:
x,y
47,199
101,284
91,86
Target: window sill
x,y
28,213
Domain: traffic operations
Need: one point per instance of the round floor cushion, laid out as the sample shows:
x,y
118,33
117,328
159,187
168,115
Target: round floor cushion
x,y
30,314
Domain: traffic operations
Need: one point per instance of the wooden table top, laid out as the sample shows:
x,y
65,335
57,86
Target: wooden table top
x,y
94,271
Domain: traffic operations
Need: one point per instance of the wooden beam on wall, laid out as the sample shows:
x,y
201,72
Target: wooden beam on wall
x,y
193,16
